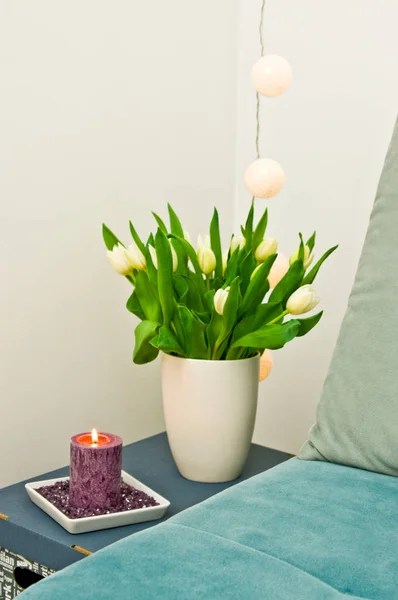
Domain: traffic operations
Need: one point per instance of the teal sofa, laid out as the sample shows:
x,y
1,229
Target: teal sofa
x,y
307,529
303,530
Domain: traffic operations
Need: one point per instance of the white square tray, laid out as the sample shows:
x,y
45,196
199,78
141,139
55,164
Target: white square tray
x,y
85,524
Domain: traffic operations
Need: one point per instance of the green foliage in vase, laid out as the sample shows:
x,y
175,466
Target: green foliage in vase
x,y
205,304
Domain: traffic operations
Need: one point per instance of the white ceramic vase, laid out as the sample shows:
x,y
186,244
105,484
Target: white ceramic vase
x,y
210,410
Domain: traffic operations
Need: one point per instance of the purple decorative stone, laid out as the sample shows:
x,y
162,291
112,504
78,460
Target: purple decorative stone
x,y
95,472
130,499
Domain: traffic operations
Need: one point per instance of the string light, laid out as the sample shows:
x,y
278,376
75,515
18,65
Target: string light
x,y
271,76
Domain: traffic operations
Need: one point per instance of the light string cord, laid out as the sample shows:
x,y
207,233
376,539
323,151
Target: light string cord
x,y
261,34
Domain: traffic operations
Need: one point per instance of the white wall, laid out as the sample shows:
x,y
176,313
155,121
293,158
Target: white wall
x,y
107,110
330,132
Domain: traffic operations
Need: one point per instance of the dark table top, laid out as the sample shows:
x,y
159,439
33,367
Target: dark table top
x,y
150,462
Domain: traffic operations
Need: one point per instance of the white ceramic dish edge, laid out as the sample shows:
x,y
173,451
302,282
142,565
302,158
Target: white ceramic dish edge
x,y
86,524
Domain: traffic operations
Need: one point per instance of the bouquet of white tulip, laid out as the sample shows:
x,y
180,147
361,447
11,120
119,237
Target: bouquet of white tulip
x,y
204,304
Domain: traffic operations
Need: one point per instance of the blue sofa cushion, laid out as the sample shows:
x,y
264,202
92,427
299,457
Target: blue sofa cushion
x,y
304,530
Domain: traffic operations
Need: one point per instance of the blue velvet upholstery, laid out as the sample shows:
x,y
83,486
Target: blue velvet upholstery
x,y
302,531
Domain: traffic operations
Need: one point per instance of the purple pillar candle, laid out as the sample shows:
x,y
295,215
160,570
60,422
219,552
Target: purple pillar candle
x,y
95,470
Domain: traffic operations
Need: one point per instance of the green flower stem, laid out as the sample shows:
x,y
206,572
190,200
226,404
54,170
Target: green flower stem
x,y
131,278
281,316
208,277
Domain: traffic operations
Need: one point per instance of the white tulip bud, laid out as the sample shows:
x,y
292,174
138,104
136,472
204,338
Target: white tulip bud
x,y
237,240
267,247
136,258
255,271
187,237
154,257
278,270
174,258
302,300
308,257
224,261
119,260
206,257
220,298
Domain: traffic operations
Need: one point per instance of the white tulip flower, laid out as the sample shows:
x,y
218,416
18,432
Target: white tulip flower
x,y
267,247
174,258
302,300
224,261
119,260
154,257
206,257
135,256
308,257
237,240
255,271
220,298
187,237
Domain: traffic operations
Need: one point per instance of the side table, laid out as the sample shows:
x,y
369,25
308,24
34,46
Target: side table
x,y
29,537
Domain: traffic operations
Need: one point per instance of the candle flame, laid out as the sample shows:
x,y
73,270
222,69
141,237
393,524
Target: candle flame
x,y
94,436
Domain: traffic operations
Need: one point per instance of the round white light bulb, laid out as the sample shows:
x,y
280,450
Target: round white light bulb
x,y
271,75
278,270
264,178
266,364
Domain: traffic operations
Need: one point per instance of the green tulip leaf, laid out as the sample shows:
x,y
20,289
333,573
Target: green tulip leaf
x,y
259,232
165,275
147,297
204,317
144,352
248,230
175,223
214,331
136,238
194,299
260,317
167,342
307,324
232,266
109,238
182,258
216,284
209,300
194,260
231,306
160,223
229,318
194,332
272,337
288,284
134,306
188,292
246,269
151,269
301,252
258,286
181,288
215,242
309,278
311,242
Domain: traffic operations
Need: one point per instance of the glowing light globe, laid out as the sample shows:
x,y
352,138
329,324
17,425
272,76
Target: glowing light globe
x,y
278,270
266,364
264,178
271,75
